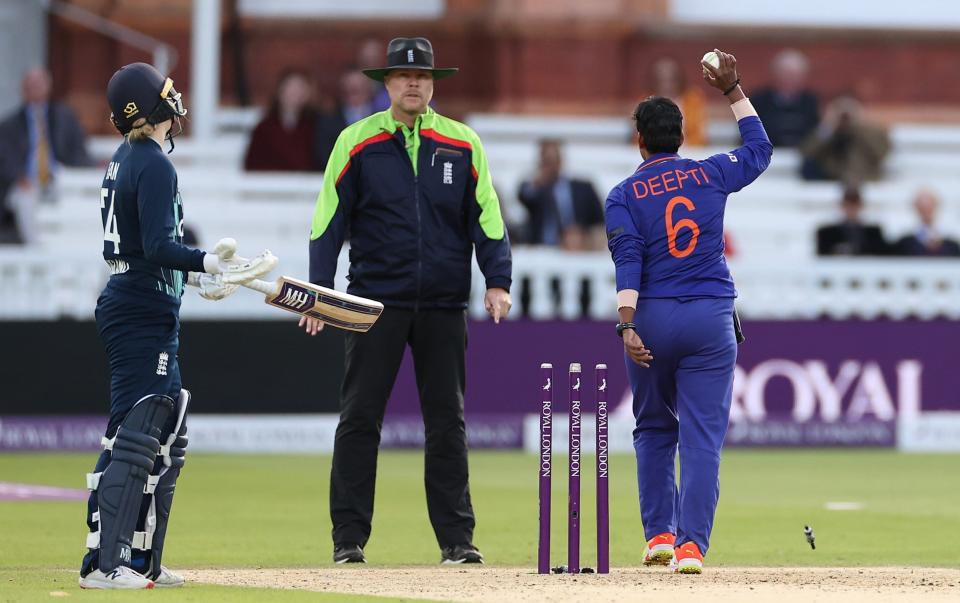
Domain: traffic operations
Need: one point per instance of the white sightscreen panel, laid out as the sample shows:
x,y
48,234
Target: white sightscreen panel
x,y
916,14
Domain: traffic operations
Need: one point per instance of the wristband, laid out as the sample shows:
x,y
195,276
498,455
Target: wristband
x,y
743,108
627,298
211,263
732,87
623,326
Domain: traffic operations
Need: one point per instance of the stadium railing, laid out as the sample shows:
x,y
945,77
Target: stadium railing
x,y
49,285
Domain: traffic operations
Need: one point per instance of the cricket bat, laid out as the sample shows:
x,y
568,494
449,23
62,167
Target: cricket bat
x,y
336,309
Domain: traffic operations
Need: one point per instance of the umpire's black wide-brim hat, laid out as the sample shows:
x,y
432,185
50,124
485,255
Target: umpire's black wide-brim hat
x,y
410,53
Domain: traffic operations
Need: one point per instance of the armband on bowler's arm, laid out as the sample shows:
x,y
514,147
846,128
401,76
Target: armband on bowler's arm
x,y
626,308
627,298
743,108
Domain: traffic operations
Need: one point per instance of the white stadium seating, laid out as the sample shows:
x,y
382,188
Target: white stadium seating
x,y
772,225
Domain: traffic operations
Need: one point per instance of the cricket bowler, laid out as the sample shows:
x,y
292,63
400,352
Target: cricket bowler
x,y
132,485
675,301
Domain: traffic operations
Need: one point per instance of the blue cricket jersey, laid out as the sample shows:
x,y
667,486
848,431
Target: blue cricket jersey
x,y
142,216
665,222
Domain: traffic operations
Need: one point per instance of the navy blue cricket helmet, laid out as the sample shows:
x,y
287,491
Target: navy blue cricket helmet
x,y
138,91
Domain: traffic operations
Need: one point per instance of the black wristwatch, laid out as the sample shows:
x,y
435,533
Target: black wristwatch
x,y
623,326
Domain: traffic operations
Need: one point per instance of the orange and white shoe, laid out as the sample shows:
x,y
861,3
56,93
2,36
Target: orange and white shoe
x,y
659,550
689,559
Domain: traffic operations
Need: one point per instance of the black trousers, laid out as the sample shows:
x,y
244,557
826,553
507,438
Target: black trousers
x,y
438,340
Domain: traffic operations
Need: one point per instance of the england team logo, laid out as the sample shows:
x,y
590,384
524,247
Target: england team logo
x,y
162,362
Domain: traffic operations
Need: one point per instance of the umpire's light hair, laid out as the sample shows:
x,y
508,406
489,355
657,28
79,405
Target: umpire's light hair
x,y
546,365
574,367
602,366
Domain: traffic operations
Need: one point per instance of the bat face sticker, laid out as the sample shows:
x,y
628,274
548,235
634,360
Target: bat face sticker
x,y
334,308
296,298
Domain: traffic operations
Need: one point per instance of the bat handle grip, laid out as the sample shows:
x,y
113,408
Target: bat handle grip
x,y
262,286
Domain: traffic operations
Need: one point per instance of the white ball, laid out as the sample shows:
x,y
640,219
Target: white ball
x,y
712,59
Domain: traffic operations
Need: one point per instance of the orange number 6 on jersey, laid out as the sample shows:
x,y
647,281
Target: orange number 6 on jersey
x,y
674,227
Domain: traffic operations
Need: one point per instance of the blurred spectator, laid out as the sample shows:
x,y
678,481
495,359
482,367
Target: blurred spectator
x,y
845,147
851,236
283,140
927,240
190,237
788,109
669,81
35,140
355,102
371,55
561,210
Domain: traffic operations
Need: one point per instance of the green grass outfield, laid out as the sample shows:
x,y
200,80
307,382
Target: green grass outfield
x,y
271,511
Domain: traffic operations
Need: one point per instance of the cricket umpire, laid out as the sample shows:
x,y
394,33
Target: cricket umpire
x,y
414,191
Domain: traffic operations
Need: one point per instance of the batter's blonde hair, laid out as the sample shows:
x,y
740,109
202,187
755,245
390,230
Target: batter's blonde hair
x,y
141,130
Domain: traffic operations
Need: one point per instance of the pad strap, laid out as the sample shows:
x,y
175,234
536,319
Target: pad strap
x,y
142,541
93,481
151,486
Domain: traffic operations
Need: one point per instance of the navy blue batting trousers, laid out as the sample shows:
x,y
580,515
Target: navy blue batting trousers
x,y
141,335
682,404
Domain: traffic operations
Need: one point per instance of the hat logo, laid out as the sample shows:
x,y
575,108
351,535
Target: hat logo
x,y
131,109
409,53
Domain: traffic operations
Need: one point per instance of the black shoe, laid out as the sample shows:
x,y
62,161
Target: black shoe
x,y
462,553
348,553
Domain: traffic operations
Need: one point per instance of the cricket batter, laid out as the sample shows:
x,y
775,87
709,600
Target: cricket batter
x,y
137,316
675,298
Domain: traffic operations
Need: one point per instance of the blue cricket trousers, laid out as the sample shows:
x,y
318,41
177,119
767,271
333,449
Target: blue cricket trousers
x,y
682,401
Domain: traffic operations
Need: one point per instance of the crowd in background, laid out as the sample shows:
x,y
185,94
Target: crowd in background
x,y
564,210
297,131
853,236
301,125
36,139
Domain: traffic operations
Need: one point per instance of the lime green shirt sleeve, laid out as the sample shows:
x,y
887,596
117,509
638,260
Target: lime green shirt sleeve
x,y
491,221
331,214
329,199
489,236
